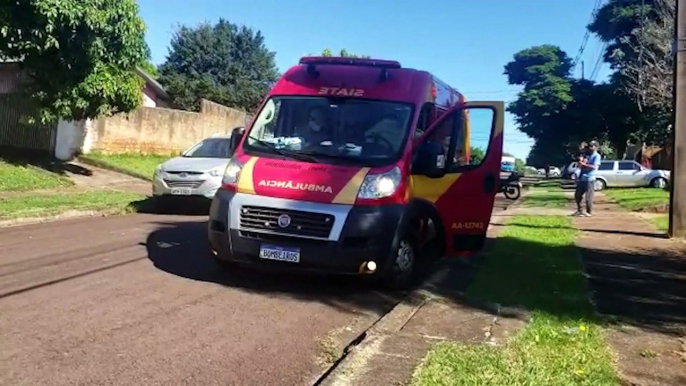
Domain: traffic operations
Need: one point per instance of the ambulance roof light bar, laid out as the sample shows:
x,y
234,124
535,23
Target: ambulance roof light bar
x,y
383,65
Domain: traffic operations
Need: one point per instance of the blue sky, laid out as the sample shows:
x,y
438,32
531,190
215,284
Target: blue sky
x,y
465,43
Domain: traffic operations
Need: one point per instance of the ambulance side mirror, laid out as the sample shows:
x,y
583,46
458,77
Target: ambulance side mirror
x,y
430,160
236,136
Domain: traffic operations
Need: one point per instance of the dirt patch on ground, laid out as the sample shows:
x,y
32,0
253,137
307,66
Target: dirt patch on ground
x,y
662,208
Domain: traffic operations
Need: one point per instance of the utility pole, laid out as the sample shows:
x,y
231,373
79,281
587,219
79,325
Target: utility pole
x,y
583,75
677,204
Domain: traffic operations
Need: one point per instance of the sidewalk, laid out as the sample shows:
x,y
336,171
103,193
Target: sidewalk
x,y
637,279
439,312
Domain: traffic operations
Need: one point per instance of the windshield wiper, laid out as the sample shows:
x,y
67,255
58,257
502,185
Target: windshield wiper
x,y
287,153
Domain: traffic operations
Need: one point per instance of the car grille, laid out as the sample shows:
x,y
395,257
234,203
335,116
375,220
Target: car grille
x,y
307,224
183,184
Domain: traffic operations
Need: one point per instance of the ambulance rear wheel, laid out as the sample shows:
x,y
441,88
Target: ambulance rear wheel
x,y
404,261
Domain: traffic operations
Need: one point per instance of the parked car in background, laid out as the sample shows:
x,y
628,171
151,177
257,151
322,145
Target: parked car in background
x,y
627,173
554,171
571,171
196,172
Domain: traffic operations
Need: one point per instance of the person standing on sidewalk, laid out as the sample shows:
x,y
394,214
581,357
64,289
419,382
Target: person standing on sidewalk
x,y
586,181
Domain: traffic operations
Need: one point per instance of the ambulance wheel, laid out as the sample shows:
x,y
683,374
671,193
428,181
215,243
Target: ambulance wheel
x,y
404,262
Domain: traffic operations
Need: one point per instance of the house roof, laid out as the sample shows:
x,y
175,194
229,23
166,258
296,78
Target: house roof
x,y
155,85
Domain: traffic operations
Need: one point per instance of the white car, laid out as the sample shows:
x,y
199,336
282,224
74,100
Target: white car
x,y
627,173
197,171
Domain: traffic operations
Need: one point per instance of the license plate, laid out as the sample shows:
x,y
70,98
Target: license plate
x,y
181,191
272,252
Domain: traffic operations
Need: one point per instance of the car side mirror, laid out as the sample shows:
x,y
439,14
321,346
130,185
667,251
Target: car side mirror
x,y
430,160
236,136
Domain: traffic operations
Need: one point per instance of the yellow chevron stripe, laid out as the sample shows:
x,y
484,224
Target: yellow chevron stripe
x,y
245,183
348,194
431,189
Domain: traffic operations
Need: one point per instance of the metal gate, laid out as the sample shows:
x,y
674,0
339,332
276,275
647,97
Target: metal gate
x,y
16,130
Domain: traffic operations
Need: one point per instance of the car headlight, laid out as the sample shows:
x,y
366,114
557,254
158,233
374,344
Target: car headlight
x,y
376,186
232,173
218,172
158,169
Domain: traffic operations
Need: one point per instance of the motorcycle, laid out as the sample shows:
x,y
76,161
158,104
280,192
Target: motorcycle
x,y
511,186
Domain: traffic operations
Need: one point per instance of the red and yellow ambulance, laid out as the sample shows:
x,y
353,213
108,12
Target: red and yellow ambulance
x,y
357,166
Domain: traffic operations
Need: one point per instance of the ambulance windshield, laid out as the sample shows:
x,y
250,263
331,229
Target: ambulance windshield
x,y
332,130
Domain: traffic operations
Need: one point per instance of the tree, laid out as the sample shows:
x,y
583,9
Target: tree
x,y
520,166
225,63
559,111
79,55
615,21
343,53
647,72
543,71
639,34
476,155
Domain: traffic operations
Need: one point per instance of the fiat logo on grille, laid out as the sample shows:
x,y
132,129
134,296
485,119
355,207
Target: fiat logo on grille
x,y
284,221
183,175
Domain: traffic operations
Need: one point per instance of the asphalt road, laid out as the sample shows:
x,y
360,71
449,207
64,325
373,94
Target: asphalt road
x,y
136,300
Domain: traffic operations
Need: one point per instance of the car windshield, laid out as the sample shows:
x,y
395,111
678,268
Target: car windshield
x,y
331,130
210,148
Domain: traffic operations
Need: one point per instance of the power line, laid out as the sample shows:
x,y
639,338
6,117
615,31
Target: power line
x,y
598,63
587,35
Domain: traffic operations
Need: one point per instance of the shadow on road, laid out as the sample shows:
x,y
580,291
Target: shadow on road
x,y
187,206
181,249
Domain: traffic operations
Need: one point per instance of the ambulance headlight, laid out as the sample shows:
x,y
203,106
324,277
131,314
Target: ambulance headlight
x,y
231,173
383,185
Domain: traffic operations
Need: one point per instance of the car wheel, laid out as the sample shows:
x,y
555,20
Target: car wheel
x,y
659,182
599,185
404,262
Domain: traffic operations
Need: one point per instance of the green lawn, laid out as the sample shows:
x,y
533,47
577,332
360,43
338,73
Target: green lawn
x,y
46,205
639,198
16,178
545,197
140,164
661,221
534,264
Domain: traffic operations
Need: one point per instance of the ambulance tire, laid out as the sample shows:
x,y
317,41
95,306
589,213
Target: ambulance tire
x,y
404,262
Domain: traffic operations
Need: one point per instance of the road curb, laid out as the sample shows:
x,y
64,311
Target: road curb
x,y
104,165
71,214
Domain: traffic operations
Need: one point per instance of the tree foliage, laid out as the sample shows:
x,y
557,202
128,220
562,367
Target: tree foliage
x,y
558,111
225,63
79,55
476,155
615,22
543,71
343,53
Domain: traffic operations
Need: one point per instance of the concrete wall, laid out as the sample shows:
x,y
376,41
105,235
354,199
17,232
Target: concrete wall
x,y
160,130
